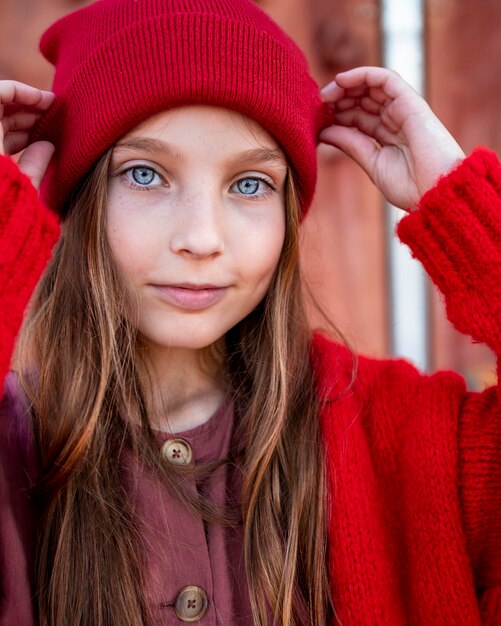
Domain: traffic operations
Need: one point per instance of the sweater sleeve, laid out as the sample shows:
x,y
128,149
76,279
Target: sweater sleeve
x,y
28,232
456,234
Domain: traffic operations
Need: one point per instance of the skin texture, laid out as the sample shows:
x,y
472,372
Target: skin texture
x,y
189,204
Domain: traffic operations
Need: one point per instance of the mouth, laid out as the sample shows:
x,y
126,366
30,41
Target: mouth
x,y
191,296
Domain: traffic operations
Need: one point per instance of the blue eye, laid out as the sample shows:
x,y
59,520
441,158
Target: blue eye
x,y
248,186
142,178
253,187
143,175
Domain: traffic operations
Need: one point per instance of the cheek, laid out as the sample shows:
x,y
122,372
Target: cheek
x,y
130,240
128,246
269,254
260,252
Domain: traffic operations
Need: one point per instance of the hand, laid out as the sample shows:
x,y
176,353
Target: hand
x,y
20,108
390,131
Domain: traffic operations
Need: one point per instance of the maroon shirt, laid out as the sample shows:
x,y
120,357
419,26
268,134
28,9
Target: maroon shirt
x,y
193,567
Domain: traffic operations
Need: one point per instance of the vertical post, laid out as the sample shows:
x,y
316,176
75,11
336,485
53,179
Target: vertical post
x,y
402,37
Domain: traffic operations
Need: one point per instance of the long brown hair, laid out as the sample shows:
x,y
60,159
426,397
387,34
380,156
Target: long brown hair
x,y
84,352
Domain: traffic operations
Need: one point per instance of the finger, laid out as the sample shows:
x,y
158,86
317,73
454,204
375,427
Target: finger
x,y
24,120
347,103
378,95
364,102
35,159
391,83
369,124
371,106
354,143
376,100
386,115
15,92
359,94
332,92
356,92
15,142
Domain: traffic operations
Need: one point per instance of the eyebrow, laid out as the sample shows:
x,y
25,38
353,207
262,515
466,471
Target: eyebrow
x,y
147,145
259,155
252,156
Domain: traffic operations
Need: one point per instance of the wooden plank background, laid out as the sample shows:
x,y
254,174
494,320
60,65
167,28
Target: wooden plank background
x,y
464,88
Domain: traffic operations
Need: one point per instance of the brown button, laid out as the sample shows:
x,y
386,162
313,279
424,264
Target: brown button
x,y
191,604
177,451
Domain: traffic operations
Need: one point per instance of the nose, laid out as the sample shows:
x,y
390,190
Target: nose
x,y
198,231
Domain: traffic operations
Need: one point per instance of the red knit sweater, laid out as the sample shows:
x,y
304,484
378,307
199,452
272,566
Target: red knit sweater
x,y
414,461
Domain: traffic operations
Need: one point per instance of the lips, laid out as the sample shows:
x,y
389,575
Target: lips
x,y
191,296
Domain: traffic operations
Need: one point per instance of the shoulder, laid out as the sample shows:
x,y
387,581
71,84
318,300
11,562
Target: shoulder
x,y
336,366
392,424
389,395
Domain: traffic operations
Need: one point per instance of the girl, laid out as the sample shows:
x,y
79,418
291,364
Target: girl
x,y
175,444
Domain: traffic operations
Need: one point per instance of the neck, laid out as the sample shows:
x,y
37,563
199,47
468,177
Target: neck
x,y
186,387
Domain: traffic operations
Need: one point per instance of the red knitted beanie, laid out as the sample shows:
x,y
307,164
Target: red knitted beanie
x,y
120,61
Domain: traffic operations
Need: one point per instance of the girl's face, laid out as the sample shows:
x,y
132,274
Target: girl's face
x,y
196,221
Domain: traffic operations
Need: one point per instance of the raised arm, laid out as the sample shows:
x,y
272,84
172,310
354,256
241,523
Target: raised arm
x,y
28,230
454,230
386,127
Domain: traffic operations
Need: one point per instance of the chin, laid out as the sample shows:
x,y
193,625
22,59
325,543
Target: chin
x,y
191,340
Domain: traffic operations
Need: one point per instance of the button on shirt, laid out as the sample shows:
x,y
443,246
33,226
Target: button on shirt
x,y
195,569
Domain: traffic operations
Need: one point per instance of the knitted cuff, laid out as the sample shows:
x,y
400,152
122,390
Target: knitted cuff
x,y
28,232
456,235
